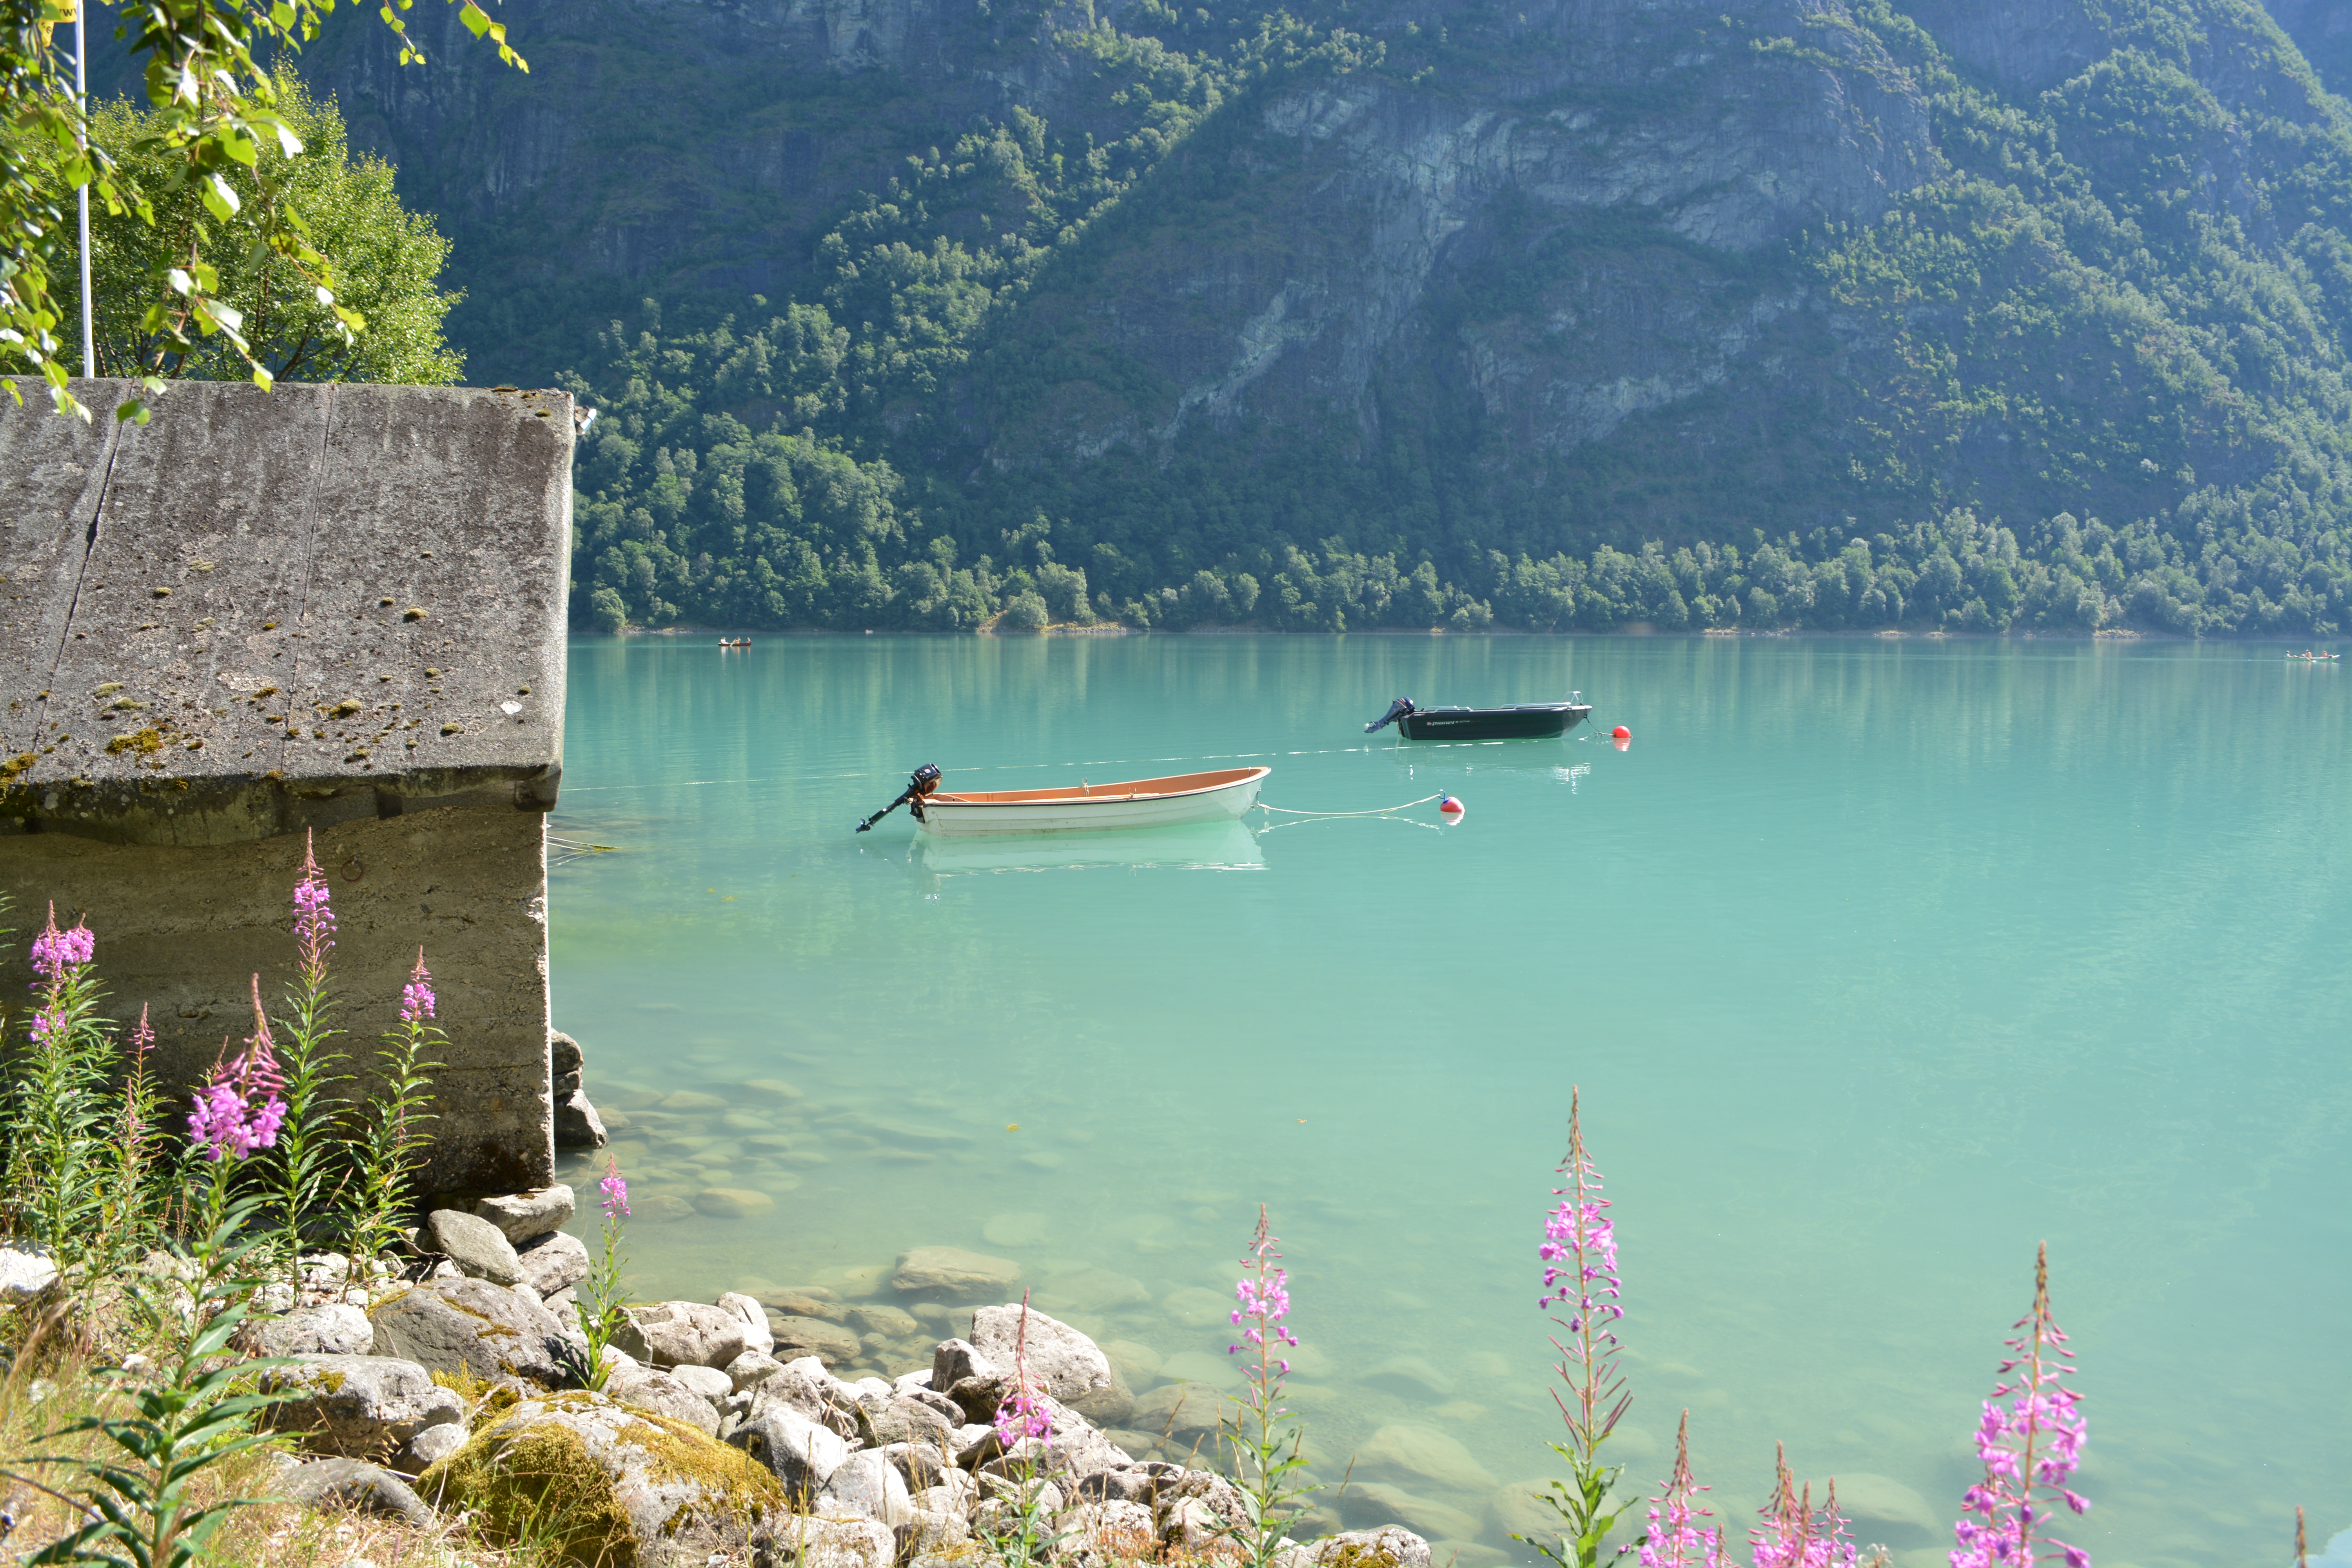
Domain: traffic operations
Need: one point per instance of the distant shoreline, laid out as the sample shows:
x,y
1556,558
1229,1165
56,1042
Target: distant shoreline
x,y
1634,630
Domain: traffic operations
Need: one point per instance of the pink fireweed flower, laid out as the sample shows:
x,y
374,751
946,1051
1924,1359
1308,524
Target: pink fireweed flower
x,y
1021,1415
314,921
56,953
417,996
1579,1253
239,1110
2035,1441
615,1191
1676,1539
1792,1535
143,1038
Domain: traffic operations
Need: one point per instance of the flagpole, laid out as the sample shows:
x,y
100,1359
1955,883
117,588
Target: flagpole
x,y
81,139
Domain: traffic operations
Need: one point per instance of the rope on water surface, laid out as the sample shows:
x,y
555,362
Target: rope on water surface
x,y
1381,811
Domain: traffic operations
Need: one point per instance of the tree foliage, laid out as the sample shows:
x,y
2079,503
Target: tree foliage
x,y
220,149
386,257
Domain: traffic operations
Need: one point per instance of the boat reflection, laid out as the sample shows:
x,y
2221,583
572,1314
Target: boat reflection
x,y
1194,847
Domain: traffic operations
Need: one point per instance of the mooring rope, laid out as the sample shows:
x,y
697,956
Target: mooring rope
x,y
1381,811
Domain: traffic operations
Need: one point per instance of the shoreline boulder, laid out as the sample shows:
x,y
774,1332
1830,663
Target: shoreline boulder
x,y
578,1474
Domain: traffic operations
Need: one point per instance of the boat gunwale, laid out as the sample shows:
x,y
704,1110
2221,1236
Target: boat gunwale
x,y
1098,794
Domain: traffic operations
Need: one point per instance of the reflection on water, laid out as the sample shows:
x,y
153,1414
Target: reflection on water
x,y
1877,963
1196,847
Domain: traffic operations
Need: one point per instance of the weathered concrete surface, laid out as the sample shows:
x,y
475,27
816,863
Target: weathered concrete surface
x,y
331,607
212,633
468,886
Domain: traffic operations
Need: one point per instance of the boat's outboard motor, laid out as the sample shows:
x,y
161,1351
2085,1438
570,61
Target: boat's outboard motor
x,y
1397,709
923,782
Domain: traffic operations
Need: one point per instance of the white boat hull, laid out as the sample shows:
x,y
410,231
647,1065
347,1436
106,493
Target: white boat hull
x,y
1099,810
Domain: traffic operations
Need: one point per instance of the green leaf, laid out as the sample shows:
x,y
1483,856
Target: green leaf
x,y
478,21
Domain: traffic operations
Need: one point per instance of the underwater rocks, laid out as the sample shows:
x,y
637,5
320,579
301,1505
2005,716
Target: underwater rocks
x,y
951,1274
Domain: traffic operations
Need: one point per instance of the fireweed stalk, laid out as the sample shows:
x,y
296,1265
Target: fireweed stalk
x,y
388,1140
238,1112
1791,1534
62,1137
604,1308
2030,1449
130,1200
1676,1539
299,1171
1579,1274
1266,1436
1024,1431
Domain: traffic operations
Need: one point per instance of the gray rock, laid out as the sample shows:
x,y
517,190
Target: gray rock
x,y
921,1464
751,1369
1099,1534
349,1483
24,1276
526,1216
478,1249
428,1448
662,1393
1071,1449
798,1452
337,1329
1389,1548
552,1264
956,1360
564,1086
577,1125
477,1328
1112,1407
1058,1358
868,1484
806,1386
691,1333
708,1383
806,1542
669,1497
358,1406
563,1054
1194,1511
755,1320
950,1273
911,1421
829,1343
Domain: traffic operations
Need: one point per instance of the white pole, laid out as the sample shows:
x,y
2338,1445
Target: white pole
x,y
81,137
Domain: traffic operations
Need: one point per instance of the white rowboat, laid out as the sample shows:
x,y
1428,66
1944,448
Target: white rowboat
x,y
1220,796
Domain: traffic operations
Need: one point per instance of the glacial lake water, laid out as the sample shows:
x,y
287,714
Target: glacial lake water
x,y
1878,962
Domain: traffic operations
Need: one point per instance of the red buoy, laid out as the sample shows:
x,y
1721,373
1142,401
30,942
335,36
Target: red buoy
x,y
1620,733
1450,806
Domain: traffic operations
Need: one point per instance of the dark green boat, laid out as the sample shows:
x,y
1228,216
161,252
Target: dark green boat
x,y
1521,722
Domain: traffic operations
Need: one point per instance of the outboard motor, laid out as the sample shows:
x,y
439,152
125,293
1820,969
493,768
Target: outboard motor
x,y
924,781
1397,709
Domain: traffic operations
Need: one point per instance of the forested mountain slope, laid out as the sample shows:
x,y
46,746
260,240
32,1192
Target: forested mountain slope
x,y
1986,313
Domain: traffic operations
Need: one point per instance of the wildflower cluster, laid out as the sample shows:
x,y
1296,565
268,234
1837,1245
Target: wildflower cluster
x,y
241,1106
60,958
1676,1538
1021,1415
1792,1534
2031,1444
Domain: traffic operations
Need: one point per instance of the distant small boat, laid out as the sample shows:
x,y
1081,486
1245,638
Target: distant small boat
x,y
1220,796
737,642
2310,657
1522,722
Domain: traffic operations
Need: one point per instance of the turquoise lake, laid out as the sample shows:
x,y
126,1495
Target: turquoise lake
x,y
1878,962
